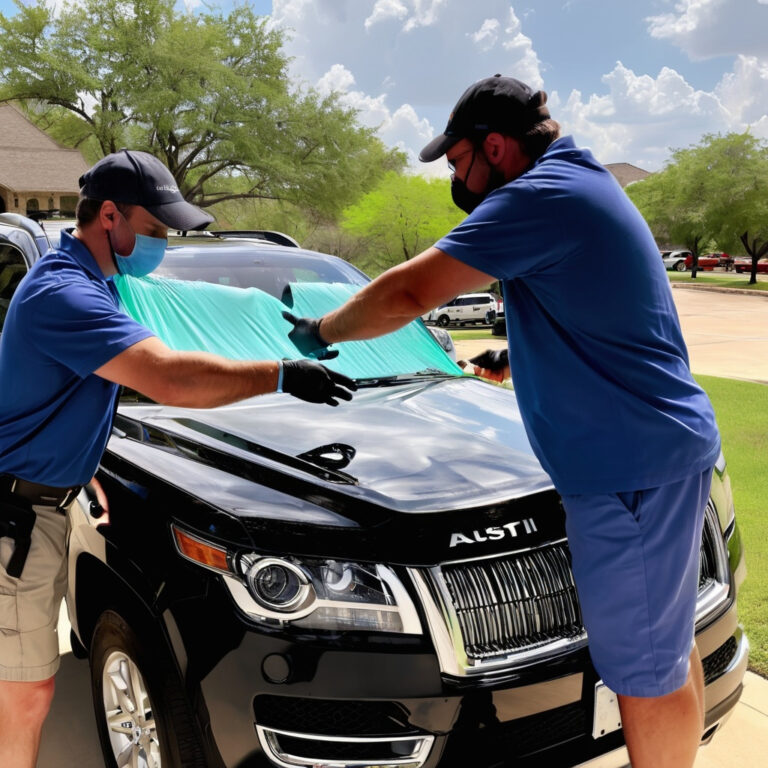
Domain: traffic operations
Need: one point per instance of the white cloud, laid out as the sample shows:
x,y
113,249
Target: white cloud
x,y
707,28
402,129
337,78
642,117
386,10
744,93
404,63
425,14
399,60
420,46
485,37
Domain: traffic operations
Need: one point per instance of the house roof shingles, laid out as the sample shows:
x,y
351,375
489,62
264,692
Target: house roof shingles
x,y
31,161
626,173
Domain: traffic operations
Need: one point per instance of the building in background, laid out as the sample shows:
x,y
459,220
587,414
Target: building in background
x,y
38,176
626,173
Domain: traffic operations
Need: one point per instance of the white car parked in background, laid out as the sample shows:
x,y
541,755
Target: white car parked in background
x,y
467,308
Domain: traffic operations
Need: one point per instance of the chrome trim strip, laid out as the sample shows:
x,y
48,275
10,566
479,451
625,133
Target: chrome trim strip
x,y
439,623
408,614
271,746
711,600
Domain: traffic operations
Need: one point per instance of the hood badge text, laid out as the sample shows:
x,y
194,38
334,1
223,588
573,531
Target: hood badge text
x,y
496,532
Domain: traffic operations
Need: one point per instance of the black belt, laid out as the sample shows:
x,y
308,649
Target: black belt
x,y
38,494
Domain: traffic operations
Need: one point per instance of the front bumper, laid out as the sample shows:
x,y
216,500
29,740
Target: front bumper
x,y
341,708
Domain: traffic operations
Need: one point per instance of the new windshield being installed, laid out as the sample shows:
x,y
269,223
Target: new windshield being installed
x,y
229,300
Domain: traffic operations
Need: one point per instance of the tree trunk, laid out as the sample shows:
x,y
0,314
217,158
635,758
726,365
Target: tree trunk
x,y
695,262
755,251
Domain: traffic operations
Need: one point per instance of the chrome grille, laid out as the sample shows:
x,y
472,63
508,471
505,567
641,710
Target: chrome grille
x,y
497,613
514,603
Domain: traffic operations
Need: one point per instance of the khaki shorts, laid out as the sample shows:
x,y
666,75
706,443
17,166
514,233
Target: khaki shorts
x,y
29,606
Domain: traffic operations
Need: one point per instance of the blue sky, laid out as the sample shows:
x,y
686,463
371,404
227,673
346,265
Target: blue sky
x,y
628,78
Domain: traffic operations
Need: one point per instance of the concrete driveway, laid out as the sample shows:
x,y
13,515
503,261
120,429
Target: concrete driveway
x,y
727,335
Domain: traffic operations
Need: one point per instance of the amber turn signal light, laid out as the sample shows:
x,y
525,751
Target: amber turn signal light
x,y
200,551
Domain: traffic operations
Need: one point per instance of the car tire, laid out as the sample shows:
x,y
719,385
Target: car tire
x,y
680,266
443,321
126,669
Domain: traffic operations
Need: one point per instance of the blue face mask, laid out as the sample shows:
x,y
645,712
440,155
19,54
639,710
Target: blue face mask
x,y
145,257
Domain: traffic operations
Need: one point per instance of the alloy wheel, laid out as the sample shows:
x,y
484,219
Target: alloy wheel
x,y
128,711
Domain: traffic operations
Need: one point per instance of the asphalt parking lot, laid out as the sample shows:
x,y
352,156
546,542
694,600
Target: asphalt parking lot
x,y
727,335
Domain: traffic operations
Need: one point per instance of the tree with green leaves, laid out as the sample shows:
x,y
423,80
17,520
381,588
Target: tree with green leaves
x,y
674,205
401,217
209,94
716,191
737,167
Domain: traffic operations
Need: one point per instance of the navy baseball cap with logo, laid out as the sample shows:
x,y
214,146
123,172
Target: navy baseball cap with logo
x,y
138,178
496,103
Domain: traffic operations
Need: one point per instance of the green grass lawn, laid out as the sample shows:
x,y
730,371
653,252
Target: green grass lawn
x,y
719,280
475,333
742,414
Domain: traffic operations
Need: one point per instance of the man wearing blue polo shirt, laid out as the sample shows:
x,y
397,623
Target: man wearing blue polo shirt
x,y
65,348
602,378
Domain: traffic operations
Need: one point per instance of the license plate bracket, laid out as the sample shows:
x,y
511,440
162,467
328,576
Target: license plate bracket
x,y
607,715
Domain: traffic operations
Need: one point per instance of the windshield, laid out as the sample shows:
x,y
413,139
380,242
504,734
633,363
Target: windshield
x,y
229,300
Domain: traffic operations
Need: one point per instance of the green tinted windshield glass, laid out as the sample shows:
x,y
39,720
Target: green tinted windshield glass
x,y
247,324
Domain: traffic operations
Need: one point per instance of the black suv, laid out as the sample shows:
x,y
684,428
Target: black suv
x,y
382,583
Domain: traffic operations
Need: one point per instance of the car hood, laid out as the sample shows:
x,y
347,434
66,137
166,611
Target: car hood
x,y
424,446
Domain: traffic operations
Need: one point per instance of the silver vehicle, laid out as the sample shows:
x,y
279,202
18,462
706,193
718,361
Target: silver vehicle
x,y
676,260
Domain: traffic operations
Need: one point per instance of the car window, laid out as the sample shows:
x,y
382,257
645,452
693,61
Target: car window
x,y
13,267
240,266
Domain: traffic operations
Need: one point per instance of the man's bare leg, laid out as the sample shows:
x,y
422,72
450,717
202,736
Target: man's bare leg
x,y
665,732
23,709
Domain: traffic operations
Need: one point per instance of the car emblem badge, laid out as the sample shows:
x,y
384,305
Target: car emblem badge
x,y
495,532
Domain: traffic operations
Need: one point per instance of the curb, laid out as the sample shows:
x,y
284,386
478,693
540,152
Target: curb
x,y
719,289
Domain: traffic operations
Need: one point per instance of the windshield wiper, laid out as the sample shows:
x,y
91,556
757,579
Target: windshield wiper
x,y
404,378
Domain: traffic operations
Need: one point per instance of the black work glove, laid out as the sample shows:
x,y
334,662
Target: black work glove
x,y
315,383
492,359
306,336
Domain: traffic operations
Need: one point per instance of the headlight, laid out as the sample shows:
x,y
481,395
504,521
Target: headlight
x,y
326,594
278,585
310,594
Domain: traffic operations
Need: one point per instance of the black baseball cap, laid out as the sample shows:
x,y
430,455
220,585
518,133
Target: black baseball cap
x,y
496,103
138,178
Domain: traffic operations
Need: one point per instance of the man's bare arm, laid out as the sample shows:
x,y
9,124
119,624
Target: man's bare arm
x,y
400,295
188,379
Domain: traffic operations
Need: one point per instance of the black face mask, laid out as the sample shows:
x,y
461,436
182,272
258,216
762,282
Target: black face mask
x,y
463,198
467,200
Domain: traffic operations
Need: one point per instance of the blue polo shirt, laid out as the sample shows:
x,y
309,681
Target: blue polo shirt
x,y
598,360
63,323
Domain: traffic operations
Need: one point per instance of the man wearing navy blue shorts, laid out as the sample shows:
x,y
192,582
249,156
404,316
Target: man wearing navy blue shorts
x,y
602,378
